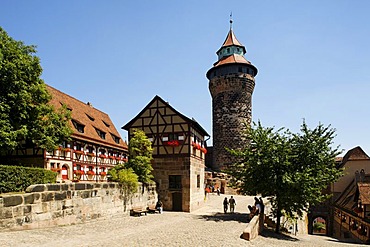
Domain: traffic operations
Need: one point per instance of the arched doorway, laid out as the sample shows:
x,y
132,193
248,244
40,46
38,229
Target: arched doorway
x,y
319,226
64,172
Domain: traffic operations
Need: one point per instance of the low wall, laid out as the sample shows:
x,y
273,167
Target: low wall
x,y
46,205
254,228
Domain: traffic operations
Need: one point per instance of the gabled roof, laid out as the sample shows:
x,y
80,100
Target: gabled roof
x,y
192,122
91,118
354,154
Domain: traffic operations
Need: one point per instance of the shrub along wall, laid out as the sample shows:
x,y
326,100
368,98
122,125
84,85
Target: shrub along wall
x,y
18,178
46,205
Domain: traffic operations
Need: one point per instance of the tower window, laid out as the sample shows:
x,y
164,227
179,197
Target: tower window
x,y
228,50
240,69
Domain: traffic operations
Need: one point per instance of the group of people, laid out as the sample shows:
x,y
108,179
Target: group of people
x,y
230,202
257,208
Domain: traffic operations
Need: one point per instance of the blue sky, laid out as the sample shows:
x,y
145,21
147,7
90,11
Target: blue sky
x,y
312,56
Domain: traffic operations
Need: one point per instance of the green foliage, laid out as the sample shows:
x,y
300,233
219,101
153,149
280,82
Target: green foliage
x,y
24,110
291,169
140,149
318,226
18,178
127,179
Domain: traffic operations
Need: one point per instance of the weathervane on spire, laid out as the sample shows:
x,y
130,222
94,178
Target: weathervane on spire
x,y
231,20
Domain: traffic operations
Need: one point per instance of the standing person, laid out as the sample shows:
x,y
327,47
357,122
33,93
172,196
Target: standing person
x,y
218,191
226,205
232,204
257,204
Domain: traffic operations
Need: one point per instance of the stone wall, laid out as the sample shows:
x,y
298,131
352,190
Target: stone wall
x,y
232,113
46,205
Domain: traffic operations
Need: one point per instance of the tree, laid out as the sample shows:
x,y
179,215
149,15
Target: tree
x,y
291,169
24,110
127,179
140,150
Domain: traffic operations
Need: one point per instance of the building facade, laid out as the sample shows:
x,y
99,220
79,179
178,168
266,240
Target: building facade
x,y
179,150
347,212
95,144
231,84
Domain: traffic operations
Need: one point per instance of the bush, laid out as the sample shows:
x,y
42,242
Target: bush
x,y
18,178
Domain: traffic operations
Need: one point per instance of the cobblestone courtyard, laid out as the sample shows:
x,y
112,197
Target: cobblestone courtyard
x,y
207,226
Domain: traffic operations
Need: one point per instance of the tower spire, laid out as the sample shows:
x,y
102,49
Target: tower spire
x,y
231,20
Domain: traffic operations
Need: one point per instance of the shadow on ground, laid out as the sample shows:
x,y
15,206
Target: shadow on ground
x,y
239,217
270,233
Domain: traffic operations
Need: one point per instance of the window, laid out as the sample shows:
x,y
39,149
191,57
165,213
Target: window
x,y
100,133
106,124
240,69
79,127
228,50
90,117
198,181
90,149
115,138
174,182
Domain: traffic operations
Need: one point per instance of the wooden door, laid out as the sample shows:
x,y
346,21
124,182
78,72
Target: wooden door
x,y
177,201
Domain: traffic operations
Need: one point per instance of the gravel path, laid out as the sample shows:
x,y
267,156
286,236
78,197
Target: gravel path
x,y
207,226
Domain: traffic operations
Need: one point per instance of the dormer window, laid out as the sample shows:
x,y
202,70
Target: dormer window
x,y
115,138
79,127
90,117
106,124
100,133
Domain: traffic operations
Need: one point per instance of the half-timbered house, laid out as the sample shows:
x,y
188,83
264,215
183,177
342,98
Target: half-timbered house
x,y
95,144
179,150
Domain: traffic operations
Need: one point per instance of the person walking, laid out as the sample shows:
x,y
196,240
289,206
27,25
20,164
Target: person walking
x,y
226,205
232,203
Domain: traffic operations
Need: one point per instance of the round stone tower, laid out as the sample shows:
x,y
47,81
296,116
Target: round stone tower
x,y
231,83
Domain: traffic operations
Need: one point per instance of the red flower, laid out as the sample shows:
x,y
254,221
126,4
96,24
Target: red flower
x,y
102,156
79,172
103,173
90,172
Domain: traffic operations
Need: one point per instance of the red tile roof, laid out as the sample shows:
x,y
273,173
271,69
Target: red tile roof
x,y
92,118
231,39
234,58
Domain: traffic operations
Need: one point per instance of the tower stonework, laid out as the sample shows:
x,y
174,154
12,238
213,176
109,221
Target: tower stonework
x,y
231,84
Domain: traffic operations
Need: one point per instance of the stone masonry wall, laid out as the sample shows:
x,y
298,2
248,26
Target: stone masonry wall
x,y
232,113
46,205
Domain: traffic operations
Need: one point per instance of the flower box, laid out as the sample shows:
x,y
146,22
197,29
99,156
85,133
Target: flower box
x,y
124,159
56,169
79,172
90,154
90,173
111,157
102,156
103,173
67,150
173,143
204,150
78,151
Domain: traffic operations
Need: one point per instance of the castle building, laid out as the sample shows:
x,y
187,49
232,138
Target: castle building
x,y
95,145
231,84
179,150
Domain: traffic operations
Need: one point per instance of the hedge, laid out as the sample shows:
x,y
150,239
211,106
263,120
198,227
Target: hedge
x,y
18,178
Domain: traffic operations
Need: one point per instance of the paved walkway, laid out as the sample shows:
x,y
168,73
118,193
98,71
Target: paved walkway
x,y
208,226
